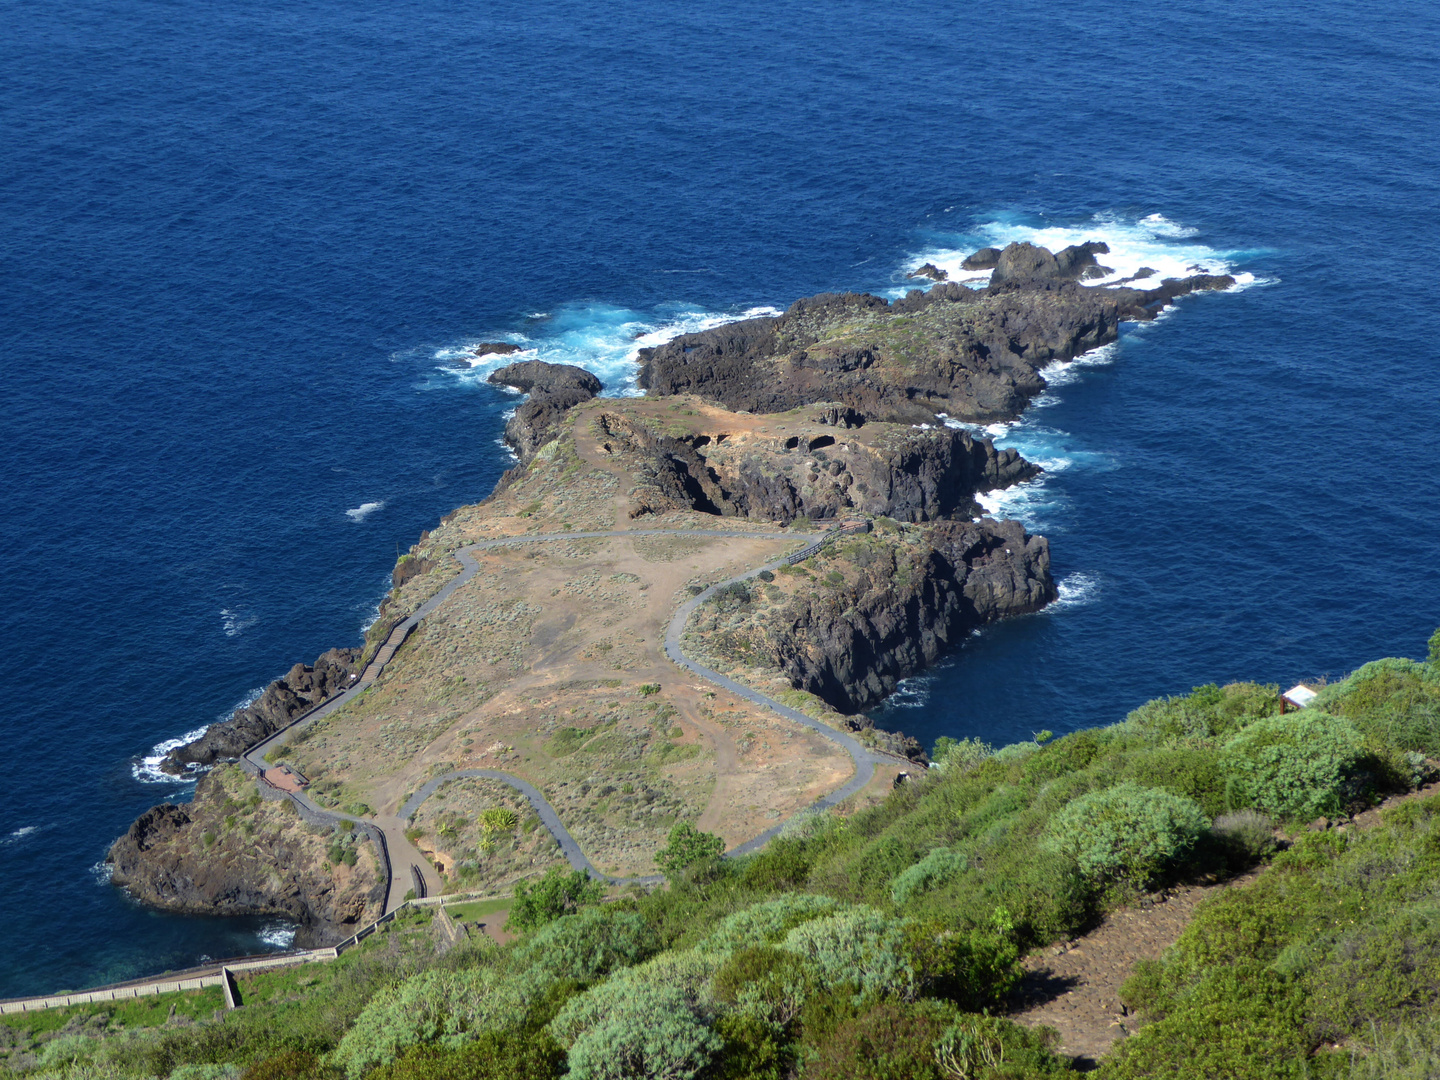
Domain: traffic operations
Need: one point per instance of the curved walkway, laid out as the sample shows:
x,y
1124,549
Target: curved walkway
x,y
399,849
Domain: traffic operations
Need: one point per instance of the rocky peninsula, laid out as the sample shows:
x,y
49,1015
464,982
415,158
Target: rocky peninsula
x,y
547,663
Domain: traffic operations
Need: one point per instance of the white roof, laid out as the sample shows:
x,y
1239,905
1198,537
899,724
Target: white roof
x,y
1300,695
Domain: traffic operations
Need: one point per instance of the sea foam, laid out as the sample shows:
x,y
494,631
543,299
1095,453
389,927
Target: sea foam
x,y
364,510
1166,247
147,769
603,339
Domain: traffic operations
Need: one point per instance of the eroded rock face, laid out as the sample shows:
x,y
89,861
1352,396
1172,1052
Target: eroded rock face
x,y
553,389
303,687
913,598
910,474
229,854
975,355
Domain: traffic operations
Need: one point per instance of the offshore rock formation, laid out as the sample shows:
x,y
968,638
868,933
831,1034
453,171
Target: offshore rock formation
x,y
300,689
879,608
974,355
228,853
911,474
553,388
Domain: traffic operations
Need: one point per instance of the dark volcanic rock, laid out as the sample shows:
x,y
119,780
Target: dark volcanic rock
x,y
303,687
984,259
528,375
553,389
496,348
910,474
976,355
931,271
532,426
851,644
230,854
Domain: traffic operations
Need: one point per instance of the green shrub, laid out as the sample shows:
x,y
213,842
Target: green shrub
x,y
1300,765
688,849
556,894
1193,772
589,945
959,755
1241,1021
626,1029
1379,969
492,1056
1207,712
1393,702
767,923
1128,833
860,948
1435,648
764,983
1244,837
290,1065
937,868
784,864
448,1008
889,1041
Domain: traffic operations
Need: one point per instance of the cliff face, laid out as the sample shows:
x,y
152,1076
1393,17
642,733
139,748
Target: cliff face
x,y
975,355
303,687
229,853
869,611
813,468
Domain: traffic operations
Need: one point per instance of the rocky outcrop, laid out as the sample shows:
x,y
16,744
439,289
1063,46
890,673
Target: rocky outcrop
x,y
530,375
975,355
553,389
931,271
496,348
876,609
910,474
303,687
984,259
229,853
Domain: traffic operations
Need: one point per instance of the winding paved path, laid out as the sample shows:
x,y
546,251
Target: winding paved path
x,y
402,853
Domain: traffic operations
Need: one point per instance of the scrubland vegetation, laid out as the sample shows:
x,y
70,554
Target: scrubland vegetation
x,y
885,944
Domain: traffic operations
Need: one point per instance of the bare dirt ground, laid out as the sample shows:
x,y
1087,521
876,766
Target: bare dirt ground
x,y
548,664
1075,987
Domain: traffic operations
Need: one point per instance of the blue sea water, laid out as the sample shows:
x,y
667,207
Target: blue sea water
x,y
239,242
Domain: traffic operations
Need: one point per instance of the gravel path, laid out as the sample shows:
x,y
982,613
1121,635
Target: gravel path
x,y
402,853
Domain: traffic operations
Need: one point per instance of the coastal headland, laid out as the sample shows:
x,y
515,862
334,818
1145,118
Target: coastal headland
x,y
548,662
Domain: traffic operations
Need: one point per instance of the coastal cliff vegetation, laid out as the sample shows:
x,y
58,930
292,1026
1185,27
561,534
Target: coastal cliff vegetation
x,y
887,942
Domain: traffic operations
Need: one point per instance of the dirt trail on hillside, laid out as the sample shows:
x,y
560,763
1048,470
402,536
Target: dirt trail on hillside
x,y
1075,987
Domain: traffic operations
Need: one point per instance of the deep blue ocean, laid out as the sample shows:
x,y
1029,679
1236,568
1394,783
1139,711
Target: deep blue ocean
x,y
239,242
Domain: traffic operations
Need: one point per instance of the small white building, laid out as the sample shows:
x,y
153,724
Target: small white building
x,y
1298,696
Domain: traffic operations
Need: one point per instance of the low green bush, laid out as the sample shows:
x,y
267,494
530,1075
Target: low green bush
x,y
1127,833
937,868
589,945
1298,766
558,893
688,849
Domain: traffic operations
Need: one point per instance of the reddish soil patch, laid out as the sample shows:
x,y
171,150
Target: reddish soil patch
x,y
1074,987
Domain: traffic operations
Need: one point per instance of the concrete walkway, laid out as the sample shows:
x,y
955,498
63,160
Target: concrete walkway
x,y
405,861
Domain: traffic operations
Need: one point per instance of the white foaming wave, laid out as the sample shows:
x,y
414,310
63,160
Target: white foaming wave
x,y
147,769
364,510
18,835
1153,241
236,622
278,935
1076,590
912,693
603,339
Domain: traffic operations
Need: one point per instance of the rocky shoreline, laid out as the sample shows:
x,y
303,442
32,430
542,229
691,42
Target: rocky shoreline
x,y
860,389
